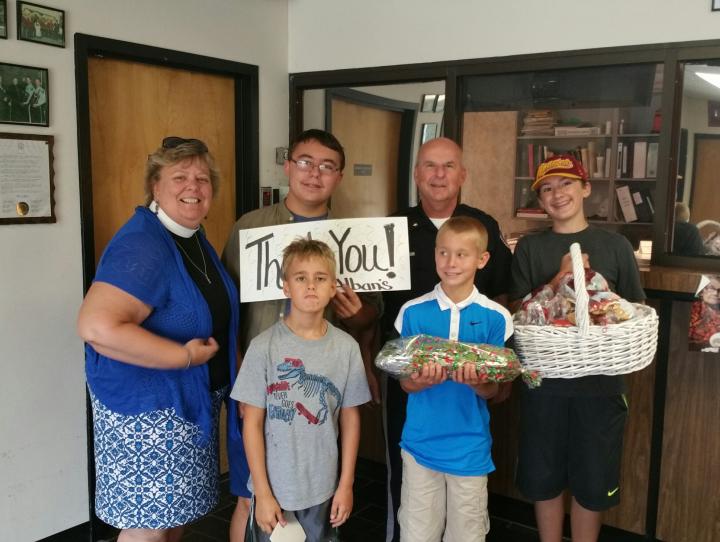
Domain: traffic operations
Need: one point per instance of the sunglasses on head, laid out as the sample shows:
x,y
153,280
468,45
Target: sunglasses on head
x,y
174,141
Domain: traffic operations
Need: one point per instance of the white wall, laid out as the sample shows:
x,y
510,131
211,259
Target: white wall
x,y
43,470
388,32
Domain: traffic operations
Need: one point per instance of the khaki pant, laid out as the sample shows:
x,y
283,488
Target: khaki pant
x,y
432,502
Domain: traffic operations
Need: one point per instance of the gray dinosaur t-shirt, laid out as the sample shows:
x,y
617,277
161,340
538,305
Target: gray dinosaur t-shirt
x,y
302,384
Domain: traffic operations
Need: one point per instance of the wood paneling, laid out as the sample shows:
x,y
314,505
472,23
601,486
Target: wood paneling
x,y
489,157
670,279
489,152
635,468
689,507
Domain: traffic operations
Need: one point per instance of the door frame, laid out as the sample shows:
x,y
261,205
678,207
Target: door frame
x,y
247,145
408,116
247,133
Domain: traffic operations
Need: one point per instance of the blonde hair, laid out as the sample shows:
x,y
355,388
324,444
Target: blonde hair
x,y
164,157
303,249
466,224
682,212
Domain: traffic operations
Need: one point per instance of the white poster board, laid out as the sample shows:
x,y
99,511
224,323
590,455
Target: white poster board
x,y
372,254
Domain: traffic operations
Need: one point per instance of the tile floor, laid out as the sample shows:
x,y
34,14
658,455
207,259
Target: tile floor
x,y
367,523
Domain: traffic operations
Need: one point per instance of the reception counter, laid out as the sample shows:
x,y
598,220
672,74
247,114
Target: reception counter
x,y
671,460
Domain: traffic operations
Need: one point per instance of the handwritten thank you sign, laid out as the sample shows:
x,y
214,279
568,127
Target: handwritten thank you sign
x,y
372,255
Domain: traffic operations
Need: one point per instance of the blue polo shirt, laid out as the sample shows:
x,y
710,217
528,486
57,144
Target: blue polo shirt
x,y
447,428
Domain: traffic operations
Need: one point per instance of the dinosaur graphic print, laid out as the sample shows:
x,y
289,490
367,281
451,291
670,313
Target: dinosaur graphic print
x,y
299,393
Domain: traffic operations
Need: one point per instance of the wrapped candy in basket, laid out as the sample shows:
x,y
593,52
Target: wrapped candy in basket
x,y
584,329
403,356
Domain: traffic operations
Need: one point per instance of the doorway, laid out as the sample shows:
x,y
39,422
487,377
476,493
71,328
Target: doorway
x,y
377,135
129,97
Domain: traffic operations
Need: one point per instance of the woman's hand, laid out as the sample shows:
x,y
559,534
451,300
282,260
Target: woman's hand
x,y
201,350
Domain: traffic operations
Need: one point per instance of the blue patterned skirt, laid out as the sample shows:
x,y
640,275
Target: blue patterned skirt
x,y
150,471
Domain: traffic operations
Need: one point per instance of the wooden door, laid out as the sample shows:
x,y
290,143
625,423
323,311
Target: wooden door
x,y
705,202
371,138
133,106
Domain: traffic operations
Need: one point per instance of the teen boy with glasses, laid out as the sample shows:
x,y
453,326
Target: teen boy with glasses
x,y
314,168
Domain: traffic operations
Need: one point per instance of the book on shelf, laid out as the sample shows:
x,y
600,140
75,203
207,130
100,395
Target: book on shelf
x,y
643,202
639,160
618,163
591,154
578,131
608,156
652,160
538,123
626,203
585,160
530,212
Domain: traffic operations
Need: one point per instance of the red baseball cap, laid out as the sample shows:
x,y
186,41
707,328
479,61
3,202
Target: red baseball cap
x,y
562,165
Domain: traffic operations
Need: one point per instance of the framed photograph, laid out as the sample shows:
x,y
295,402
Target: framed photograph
x,y
3,19
41,24
26,179
428,103
24,95
429,131
440,103
715,5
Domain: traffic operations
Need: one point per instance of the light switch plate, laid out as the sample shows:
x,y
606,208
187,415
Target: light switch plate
x,y
280,155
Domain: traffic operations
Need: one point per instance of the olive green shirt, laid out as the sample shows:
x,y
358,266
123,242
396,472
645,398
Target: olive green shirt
x,y
258,316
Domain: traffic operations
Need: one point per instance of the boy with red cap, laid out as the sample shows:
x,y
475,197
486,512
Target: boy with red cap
x,y
571,430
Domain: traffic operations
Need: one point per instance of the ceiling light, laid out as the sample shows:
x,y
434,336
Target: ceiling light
x,y
712,78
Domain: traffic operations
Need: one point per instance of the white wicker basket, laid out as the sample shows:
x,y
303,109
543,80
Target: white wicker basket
x,y
585,349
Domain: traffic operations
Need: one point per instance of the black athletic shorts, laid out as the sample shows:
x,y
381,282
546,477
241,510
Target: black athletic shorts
x,y
571,442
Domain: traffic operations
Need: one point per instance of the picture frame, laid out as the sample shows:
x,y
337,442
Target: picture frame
x,y
3,20
713,114
25,95
439,104
427,104
40,24
27,187
428,132
715,5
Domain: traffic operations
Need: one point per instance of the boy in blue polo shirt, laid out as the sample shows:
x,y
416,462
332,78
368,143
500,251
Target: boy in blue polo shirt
x,y
446,437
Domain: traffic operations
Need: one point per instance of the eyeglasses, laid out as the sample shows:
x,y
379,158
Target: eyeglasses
x,y
307,165
174,141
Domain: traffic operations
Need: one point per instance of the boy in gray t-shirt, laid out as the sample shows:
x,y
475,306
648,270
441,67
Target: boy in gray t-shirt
x,y
299,379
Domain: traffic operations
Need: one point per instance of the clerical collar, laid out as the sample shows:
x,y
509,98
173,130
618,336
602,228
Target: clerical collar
x,y
170,224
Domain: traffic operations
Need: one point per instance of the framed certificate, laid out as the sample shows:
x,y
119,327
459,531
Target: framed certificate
x,y
26,179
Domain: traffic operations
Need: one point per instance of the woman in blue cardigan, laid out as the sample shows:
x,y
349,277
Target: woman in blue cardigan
x,y
160,324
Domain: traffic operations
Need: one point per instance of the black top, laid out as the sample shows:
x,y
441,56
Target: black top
x,y
687,240
216,297
492,280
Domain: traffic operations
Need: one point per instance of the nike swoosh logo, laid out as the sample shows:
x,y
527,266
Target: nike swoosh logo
x,y
475,323
611,493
